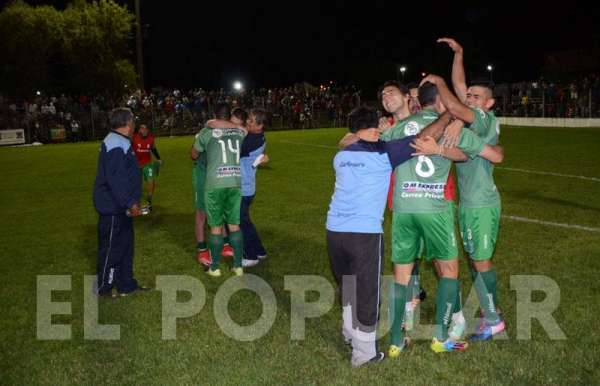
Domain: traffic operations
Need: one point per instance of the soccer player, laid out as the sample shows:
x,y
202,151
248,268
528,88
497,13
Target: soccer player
x,y
143,145
239,117
222,187
421,214
354,226
253,154
480,205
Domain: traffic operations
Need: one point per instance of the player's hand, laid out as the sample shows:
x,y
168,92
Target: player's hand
x,y
451,136
453,44
264,159
435,79
194,154
384,124
348,140
425,146
135,210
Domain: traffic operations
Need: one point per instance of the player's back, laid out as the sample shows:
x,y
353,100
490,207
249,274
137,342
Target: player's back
x,y
223,148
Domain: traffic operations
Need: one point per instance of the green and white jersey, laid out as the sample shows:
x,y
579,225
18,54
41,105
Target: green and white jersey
x,y
410,125
222,148
476,176
420,182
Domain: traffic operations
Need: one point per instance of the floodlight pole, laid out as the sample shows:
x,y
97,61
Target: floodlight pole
x,y
140,56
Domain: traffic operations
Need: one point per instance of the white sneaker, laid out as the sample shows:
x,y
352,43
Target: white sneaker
x,y
249,263
261,257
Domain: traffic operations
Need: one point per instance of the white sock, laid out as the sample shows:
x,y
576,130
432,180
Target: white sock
x,y
458,317
347,323
363,347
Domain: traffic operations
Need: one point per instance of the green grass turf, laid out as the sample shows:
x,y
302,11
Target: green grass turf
x,y
48,227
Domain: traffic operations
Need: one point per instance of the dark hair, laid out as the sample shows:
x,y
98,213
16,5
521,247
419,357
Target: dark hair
x,y
427,94
362,118
240,114
482,82
412,85
223,111
120,117
392,83
262,117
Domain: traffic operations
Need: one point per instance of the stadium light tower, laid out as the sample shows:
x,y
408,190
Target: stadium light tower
x,y
402,71
490,69
237,86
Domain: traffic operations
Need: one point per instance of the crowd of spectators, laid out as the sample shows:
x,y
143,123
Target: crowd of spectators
x,y
47,118
579,98
174,111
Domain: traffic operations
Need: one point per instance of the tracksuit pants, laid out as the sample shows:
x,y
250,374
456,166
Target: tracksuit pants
x,y
253,246
356,262
114,263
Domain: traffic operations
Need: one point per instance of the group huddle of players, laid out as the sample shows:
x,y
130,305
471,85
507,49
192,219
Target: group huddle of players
x,y
225,153
438,129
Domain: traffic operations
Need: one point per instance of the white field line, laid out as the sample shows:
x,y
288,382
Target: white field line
x,y
550,223
509,217
548,173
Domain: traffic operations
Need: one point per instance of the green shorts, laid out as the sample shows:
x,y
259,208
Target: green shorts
x,y
479,231
150,171
435,230
223,206
198,181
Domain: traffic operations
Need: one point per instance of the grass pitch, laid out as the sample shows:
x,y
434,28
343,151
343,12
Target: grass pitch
x,y
48,227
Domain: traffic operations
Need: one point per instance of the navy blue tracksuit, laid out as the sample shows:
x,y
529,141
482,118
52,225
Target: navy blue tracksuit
x,y
117,187
253,146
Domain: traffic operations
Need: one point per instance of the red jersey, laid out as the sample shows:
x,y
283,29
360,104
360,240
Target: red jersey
x,y
450,189
142,147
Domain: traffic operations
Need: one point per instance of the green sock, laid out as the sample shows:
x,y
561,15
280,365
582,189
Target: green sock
x,y
226,239
485,286
201,245
397,305
237,243
444,305
216,245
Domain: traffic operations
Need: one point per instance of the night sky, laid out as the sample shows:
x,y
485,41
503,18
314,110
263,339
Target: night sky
x,y
211,43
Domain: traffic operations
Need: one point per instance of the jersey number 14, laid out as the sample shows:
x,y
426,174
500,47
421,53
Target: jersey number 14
x,y
235,150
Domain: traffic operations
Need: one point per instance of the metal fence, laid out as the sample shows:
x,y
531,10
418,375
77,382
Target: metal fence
x,y
93,124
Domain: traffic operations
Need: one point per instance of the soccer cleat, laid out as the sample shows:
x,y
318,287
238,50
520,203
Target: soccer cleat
x,y
394,351
249,263
448,346
487,331
378,358
203,257
239,271
227,251
457,330
262,257
214,273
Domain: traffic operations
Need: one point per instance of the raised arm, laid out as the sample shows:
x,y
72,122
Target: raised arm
x,y
459,82
454,106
